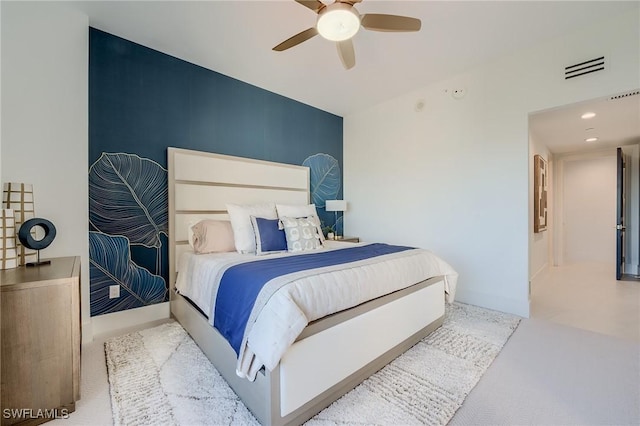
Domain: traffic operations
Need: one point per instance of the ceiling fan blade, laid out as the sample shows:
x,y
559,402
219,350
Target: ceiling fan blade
x,y
346,53
392,23
314,5
296,39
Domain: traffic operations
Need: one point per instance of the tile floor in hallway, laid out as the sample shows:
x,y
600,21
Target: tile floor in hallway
x,y
588,296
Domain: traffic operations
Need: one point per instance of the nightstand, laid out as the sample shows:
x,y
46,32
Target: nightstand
x,y
348,239
40,341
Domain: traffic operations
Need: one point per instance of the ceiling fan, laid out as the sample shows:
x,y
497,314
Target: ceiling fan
x,y
340,21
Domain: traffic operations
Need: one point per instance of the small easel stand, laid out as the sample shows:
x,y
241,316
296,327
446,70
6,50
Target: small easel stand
x,y
39,262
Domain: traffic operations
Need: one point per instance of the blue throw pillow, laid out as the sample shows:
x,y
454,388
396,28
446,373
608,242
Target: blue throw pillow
x,y
269,238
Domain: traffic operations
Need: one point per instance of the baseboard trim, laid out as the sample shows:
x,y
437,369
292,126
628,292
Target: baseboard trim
x,y
107,323
496,303
539,271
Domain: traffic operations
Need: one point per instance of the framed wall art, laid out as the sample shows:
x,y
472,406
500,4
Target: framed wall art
x,y
540,182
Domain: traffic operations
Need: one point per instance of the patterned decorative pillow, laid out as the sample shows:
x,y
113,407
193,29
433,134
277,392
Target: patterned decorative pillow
x,y
302,233
269,237
300,210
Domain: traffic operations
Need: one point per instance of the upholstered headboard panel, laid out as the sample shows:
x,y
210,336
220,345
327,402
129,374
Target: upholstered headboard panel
x,y
202,183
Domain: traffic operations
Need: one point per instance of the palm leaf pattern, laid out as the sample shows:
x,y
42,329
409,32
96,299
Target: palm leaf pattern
x,y
324,178
128,196
110,264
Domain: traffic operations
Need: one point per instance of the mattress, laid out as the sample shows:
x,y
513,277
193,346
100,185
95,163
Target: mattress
x,y
305,297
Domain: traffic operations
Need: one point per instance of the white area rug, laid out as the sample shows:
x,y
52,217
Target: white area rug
x,y
160,376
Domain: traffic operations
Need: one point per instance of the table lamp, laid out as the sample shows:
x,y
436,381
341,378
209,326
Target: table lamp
x,y
336,206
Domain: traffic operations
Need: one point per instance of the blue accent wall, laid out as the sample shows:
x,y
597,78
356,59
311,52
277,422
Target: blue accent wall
x,y
142,101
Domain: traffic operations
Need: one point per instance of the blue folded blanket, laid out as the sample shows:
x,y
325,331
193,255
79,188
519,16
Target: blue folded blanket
x,y
241,284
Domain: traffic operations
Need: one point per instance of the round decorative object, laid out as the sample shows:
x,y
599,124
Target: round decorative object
x,y
27,240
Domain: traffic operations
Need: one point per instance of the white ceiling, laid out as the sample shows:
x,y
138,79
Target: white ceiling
x,y
235,38
562,130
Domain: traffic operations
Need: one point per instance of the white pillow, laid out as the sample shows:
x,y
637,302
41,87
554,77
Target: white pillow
x,y
240,216
300,210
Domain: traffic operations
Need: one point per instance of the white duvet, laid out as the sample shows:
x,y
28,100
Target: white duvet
x,y
287,304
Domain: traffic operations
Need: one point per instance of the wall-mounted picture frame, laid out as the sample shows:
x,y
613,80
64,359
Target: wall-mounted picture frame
x,y
540,182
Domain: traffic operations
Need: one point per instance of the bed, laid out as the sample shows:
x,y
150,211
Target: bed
x,y
329,355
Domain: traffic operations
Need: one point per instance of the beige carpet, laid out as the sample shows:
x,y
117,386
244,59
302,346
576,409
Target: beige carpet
x,y
159,376
550,374
539,359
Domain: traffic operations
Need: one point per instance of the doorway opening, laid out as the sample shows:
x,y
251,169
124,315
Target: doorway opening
x,y
590,240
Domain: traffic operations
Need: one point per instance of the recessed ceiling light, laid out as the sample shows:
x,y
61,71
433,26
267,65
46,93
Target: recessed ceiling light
x,y
588,115
591,139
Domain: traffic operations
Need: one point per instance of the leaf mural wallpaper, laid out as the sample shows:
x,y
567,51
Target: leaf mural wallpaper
x,y
110,264
325,184
128,198
142,101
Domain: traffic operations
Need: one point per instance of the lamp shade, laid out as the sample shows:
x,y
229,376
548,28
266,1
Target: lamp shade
x,y
338,22
336,205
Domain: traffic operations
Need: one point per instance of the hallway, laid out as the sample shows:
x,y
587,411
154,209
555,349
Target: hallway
x,y
587,296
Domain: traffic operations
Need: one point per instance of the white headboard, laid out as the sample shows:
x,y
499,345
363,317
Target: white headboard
x,y
202,183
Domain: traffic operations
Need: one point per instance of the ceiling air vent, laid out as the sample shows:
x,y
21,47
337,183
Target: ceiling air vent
x,y
624,95
586,67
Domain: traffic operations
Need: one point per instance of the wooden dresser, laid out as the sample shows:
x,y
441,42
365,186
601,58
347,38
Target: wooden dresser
x,y
40,323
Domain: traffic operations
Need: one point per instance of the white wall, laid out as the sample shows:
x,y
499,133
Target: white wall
x,y
540,243
44,120
454,177
589,208
588,234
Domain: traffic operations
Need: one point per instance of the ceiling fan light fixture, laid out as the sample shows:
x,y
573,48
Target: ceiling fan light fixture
x,y
338,22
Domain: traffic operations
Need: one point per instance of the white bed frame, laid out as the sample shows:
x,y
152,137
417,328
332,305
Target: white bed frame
x,y
333,354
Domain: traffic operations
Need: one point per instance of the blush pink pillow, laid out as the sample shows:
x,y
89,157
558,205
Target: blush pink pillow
x,y
213,236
